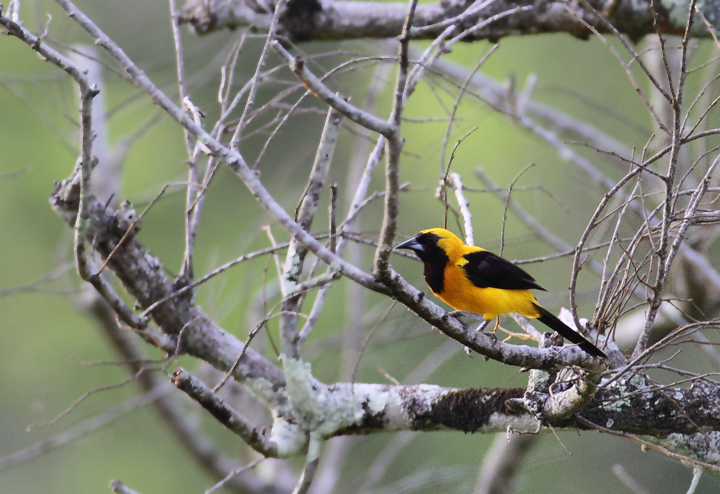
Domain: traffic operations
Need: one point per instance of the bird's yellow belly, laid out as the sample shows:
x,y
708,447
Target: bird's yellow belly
x,y
487,302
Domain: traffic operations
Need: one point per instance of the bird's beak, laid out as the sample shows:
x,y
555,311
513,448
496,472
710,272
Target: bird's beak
x,y
411,244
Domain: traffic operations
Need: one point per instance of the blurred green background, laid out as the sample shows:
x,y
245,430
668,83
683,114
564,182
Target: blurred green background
x,y
43,334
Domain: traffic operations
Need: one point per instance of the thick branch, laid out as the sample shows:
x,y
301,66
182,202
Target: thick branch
x,y
307,20
630,406
142,276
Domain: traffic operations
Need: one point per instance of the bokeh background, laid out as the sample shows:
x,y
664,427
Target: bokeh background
x,y
44,336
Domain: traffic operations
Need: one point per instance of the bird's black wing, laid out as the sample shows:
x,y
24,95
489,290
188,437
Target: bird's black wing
x,y
486,270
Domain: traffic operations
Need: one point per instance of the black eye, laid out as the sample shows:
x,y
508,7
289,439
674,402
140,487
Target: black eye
x,y
428,238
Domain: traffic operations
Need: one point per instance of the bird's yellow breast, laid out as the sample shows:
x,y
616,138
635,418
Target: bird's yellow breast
x,y
460,294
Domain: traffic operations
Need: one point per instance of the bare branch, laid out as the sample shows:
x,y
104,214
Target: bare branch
x,y
394,147
502,461
278,11
231,157
232,475
296,252
307,476
456,181
227,416
666,259
297,65
329,20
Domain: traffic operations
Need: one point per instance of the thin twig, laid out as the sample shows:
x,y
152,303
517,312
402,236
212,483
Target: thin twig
x,y
131,229
87,394
368,338
463,88
118,487
233,159
307,476
332,210
456,181
82,429
507,203
647,444
272,30
388,229
232,474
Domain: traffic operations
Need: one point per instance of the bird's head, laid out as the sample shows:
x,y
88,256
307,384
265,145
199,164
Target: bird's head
x,y
434,244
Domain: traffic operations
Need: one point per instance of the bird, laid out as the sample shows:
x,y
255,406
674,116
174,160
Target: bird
x,y
472,279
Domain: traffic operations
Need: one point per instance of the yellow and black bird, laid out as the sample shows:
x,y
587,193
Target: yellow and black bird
x,y
471,279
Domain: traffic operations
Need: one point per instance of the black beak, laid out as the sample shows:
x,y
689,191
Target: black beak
x,y
411,244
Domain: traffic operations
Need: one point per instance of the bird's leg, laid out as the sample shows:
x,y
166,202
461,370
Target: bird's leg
x,y
497,323
481,328
483,325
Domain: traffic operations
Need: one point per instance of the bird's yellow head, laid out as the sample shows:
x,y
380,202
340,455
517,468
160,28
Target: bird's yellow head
x,y
434,244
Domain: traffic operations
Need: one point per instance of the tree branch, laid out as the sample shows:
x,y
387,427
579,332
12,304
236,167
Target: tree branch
x,y
231,157
327,19
223,413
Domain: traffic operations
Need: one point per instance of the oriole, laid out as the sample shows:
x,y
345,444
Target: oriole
x,y
471,279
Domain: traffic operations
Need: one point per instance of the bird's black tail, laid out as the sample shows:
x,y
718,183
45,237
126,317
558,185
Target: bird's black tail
x,y
549,320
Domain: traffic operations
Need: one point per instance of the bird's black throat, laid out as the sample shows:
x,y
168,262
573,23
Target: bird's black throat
x,y
435,259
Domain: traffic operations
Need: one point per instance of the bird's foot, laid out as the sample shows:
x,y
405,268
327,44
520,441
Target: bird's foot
x,y
520,336
492,336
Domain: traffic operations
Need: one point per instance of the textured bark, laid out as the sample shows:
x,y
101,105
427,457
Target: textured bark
x,y
143,277
306,20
